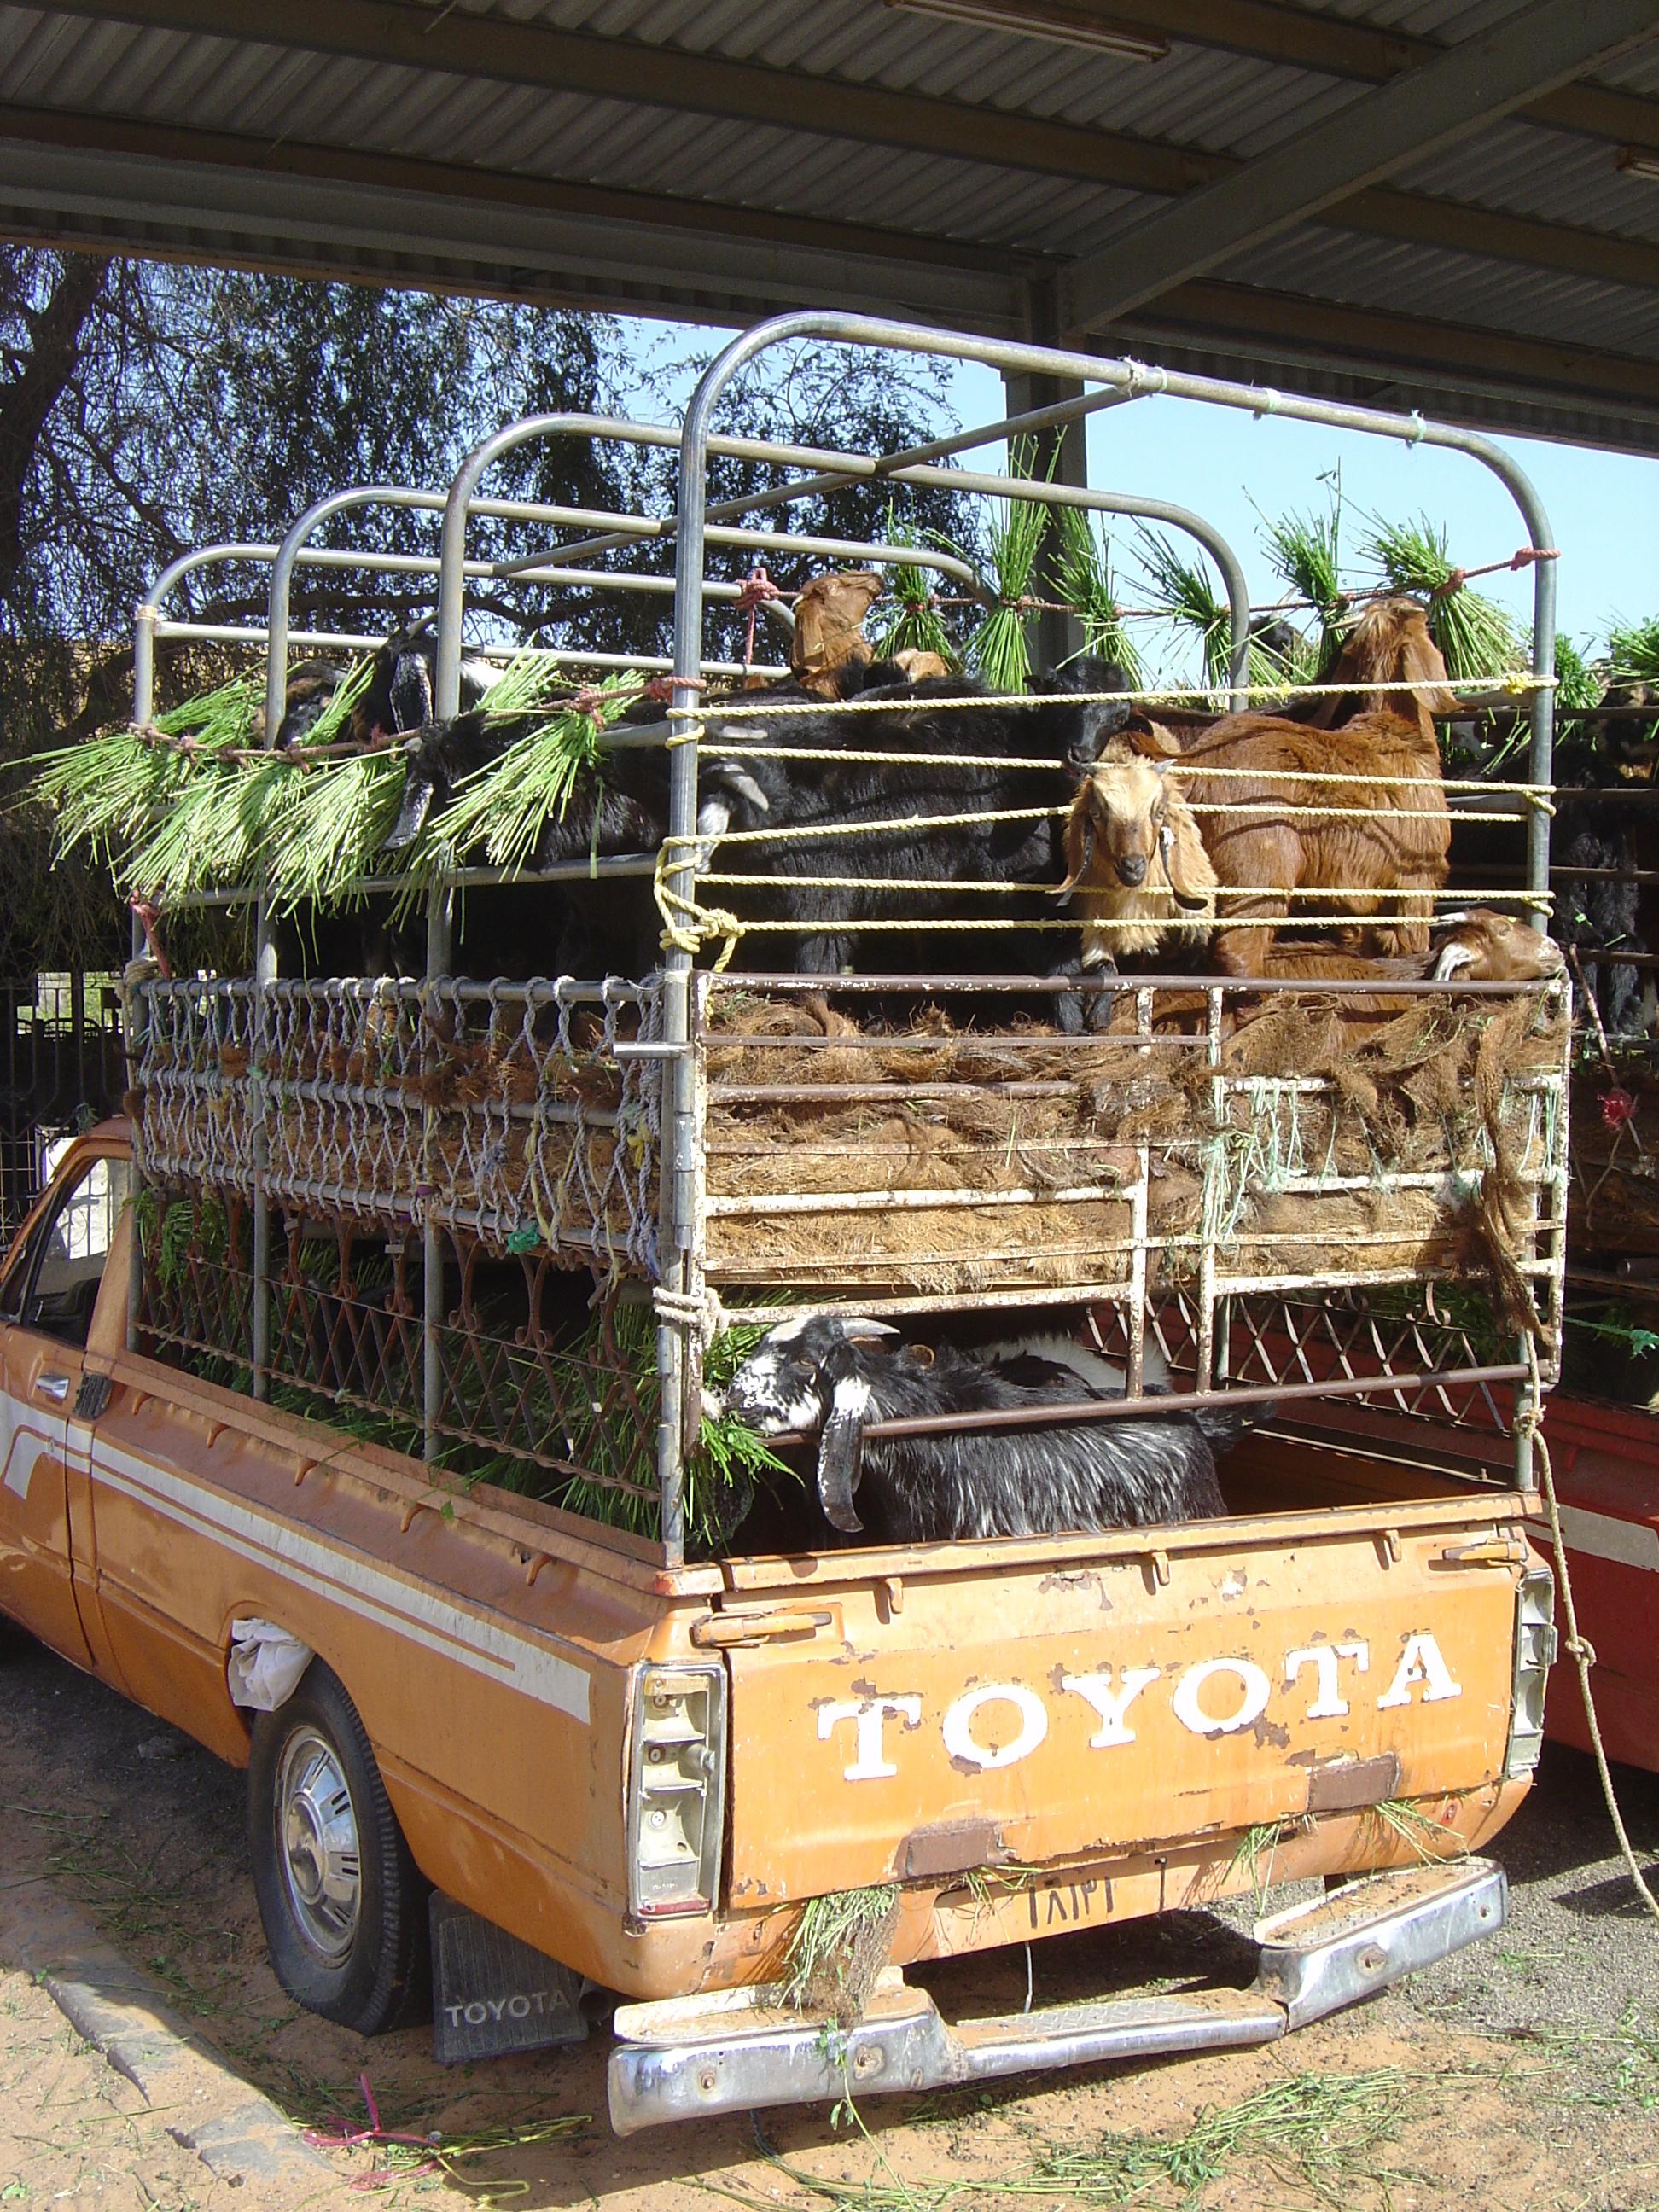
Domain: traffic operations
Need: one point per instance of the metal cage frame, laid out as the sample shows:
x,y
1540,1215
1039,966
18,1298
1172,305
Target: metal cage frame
x,y
694,526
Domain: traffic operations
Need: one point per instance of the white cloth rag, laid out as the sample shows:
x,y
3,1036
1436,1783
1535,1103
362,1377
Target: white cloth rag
x,y
265,1664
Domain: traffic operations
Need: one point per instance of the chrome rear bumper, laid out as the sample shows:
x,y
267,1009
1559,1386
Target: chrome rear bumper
x,y
737,2048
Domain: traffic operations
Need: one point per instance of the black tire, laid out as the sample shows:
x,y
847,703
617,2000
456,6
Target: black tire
x,y
364,1964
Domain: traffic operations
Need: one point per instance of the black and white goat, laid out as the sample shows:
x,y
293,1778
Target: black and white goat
x,y
836,1375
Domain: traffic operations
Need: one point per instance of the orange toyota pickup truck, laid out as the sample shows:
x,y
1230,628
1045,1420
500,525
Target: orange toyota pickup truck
x,y
643,1773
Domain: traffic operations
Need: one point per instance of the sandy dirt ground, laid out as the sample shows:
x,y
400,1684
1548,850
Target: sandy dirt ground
x,y
1522,2075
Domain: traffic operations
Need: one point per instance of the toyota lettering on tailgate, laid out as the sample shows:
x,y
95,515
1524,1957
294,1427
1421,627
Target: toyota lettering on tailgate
x,y
1212,1698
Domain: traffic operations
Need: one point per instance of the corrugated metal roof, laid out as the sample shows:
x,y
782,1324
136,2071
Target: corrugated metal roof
x,y
304,141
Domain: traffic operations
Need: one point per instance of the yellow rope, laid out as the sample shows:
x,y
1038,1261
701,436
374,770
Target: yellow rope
x,y
906,823
1582,1654
1007,891
1516,683
695,843
721,922
976,761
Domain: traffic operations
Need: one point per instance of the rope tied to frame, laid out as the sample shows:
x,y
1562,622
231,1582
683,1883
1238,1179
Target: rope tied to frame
x,y
1578,1648
1517,682
685,925
757,589
660,689
1522,559
684,1310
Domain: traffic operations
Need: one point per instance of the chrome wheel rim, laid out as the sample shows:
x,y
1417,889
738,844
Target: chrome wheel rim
x,y
317,1837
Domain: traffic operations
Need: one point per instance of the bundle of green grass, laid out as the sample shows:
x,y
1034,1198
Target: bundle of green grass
x,y
194,803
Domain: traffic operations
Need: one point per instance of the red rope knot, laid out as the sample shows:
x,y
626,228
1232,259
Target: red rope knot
x,y
1455,582
1618,1110
148,917
1528,554
590,702
757,589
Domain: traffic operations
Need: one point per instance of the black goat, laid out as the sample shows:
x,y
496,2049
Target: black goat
x,y
1593,829
836,1375
882,825
625,810
397,698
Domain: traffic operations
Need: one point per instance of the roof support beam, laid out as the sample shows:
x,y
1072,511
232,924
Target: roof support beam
x,y
1452,226
171,143
1366,54
497,49
1432,108
1410,350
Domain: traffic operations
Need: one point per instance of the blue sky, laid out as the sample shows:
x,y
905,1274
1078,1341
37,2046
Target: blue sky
x,y
1604,506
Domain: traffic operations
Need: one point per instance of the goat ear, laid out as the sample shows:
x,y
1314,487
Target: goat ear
x,y
1079,839
418,799
1421,663
839,1447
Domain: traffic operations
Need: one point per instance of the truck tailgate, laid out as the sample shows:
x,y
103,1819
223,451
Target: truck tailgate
x,y
1032,1703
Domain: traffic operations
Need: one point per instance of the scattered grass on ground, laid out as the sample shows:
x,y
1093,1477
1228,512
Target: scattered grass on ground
x,y
1329,2138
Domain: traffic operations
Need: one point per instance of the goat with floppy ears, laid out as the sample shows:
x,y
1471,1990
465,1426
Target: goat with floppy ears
x,y
1134,855
837,1374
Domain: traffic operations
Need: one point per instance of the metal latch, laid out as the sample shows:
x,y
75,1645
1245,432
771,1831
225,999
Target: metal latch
x,y
724,1631
626,1052
1494,1550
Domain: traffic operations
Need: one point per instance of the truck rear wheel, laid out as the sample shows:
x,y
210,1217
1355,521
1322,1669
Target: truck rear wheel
x,y
343,1904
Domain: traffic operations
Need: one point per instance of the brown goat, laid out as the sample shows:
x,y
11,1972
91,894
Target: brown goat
x,y
1134,852
1483,946
1388,644
1282,818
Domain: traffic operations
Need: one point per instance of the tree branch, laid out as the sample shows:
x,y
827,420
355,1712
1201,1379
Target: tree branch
x,y
27,400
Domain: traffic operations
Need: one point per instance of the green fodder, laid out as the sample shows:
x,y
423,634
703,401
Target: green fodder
x,y
1326,2135
840,1946
118,793
321,827
1323,2131
103,795
720,1477
1476,637
1428,1842
507,805
1306,550
209,832
1578,683
331,726
226,716
916,625
1257,1848
1182,588
999,649
1083,577
1634,652
168,822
